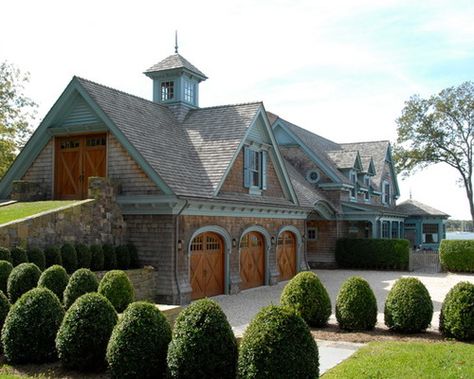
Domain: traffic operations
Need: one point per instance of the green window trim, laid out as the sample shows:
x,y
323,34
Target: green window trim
x,y
255,169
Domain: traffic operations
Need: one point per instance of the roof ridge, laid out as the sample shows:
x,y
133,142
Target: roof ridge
x,y
231,105
351,143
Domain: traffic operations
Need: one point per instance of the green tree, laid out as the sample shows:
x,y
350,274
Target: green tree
x,y
439,129
17,111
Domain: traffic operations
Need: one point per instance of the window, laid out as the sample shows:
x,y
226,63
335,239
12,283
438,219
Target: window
x,y
312,234
312,176
167,91
353,178
385,229
386,192
255,169
189,91
394,229
430,233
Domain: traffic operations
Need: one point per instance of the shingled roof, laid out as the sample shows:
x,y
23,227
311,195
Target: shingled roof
x,y
190,157
344,159
415,208
173,62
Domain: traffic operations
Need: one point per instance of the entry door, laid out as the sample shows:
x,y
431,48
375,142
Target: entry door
x,y
77,159
286,255
252,260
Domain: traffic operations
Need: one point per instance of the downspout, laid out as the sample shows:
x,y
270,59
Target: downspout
x,y
186,204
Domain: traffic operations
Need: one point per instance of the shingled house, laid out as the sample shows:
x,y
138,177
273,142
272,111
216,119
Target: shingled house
x,y
217,199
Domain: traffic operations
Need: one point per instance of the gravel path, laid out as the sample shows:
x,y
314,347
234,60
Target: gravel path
x,y
241,308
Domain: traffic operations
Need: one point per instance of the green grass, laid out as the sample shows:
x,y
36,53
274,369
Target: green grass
x,y
408,360
20,210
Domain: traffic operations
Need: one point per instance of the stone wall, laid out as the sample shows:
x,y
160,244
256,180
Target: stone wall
x,y
96,220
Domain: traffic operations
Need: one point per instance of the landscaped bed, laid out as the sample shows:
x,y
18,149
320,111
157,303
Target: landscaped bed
x,y
408,360
18,211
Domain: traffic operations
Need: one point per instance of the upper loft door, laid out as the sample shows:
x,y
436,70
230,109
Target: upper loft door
x,y
77,159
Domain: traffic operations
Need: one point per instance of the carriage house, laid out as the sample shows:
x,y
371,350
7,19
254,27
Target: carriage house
x,y
217,199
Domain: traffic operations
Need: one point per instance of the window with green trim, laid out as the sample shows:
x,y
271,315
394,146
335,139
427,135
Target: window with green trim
x,y
255,162
167,91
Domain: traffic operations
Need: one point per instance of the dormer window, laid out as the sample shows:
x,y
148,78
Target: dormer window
x,y
353,178
167,91
189,91
367,184
255,176
386,192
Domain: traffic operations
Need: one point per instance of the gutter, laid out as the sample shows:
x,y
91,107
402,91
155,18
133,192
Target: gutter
x,y
186,204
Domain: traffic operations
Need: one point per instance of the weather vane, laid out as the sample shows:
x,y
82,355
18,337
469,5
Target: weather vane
x,y
176,42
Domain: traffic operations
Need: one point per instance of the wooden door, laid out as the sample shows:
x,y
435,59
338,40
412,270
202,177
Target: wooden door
x,y
78,158
207,266
252,261
286,255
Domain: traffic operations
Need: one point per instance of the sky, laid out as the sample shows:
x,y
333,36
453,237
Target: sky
x,y
342,69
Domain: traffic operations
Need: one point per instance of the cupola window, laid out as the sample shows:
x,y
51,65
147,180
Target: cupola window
x,y
167,91
189,91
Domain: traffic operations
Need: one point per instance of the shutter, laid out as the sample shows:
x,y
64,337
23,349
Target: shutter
x,y
246,167
264,169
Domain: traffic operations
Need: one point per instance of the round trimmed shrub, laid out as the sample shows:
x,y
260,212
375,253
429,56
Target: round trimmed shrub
x,y
4,309
116,286
97,258
356,306
456,319
203,344
19,256
110,257
31,326
408,308
84,333
133,256
36,256
308,297
84,256
123,257
54,278
139,343
69,257
278,344
22,278
5,270
5,254
80,283
52,255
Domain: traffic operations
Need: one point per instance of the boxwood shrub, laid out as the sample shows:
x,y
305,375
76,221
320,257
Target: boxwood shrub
x,y
5,270
373,253
84,256
84,333
408,308
123,257
22,278
203,344
80,283
139,343
457,312
4,309
110,257
97,258
55,278
52,255
36,256
116,286
31,326
69,257
278,344
457,255
356,306
308,297
5,254
19,255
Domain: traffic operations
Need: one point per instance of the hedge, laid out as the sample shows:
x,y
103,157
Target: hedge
x,y
18,255
36,256
373,253
23,278
457,255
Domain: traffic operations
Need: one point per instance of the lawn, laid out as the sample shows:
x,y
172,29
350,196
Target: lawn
x,y
408,360
20,210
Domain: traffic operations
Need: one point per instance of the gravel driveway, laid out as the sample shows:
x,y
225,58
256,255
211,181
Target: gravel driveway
x,y
241,308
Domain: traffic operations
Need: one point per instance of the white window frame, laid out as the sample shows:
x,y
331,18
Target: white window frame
x,y
189,91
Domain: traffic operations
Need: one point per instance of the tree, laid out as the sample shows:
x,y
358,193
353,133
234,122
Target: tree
x,y
439,130
16,113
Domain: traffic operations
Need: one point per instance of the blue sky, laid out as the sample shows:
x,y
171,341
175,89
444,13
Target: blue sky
x,y
342,69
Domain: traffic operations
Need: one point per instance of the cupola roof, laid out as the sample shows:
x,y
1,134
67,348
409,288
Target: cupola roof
x,y
173,62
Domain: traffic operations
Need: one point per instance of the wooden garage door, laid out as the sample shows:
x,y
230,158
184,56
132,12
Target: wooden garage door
x,y
77,159
207,265
286,255
252,260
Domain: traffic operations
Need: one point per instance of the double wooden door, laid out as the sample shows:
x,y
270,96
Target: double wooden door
x,y
252,260
286,255
77,159
207,265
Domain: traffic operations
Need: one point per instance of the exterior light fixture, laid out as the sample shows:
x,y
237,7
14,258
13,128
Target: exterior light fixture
x,y
180,244
273,240
234,242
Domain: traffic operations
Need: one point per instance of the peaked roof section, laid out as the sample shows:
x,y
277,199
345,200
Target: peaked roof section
x,y
368,164
415,208
175,61
190,157
346,159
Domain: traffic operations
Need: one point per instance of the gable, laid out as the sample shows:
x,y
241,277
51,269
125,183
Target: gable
x,y
258,133
80,113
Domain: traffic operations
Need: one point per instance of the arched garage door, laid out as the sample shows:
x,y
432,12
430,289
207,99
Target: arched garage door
x,y
286,255
207,265
252,260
